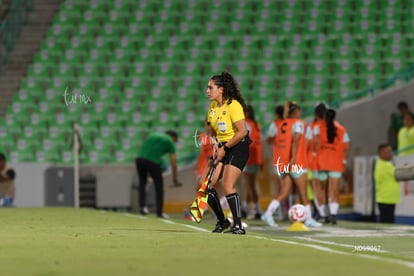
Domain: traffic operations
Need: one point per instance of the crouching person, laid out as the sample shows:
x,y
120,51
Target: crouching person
x,y
7,187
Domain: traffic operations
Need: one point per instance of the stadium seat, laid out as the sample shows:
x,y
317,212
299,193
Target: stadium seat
x,y
145,65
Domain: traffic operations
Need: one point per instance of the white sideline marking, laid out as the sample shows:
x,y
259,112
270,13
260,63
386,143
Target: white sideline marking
x,y
186,225
135,216
321,248
343,232
195,228
318,247
333,243
325,242
314,246
170,222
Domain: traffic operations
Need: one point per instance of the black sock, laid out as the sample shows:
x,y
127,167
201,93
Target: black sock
x,y
234,203
214,202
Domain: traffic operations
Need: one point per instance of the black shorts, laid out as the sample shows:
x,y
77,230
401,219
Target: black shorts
x,y
239,154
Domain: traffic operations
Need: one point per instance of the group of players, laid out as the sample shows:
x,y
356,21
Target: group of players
x,y
310,155
301,151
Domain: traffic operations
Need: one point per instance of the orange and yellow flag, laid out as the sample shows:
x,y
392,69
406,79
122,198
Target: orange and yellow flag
x,y
199,205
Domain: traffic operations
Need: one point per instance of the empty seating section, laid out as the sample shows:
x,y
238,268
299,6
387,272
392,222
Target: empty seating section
x,y
145,64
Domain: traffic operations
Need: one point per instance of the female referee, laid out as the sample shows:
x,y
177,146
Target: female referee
x,y
231,149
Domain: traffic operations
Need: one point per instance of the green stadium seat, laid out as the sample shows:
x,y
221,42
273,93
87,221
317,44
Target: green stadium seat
x,y
120,157
21,157
67,157
139,59
99,157
91,69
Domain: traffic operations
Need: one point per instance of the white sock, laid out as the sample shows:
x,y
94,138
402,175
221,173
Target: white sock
x,y
224,203
318,207
308,211
321,209
274,204
333,208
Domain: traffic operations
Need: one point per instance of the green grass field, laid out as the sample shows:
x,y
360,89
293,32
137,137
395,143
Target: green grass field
x,y
59,241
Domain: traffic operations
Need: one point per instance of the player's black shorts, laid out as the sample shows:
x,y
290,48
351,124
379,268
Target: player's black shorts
x,y
238,154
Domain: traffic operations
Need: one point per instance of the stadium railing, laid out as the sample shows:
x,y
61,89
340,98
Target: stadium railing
x,y
397,152
404,75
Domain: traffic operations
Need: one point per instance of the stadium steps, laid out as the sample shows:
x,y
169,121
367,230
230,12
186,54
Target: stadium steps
x,y
26,46
4,8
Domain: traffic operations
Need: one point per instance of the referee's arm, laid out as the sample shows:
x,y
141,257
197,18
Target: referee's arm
x,y
240,133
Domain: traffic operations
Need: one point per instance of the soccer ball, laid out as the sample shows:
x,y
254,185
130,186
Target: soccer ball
x,y
297,213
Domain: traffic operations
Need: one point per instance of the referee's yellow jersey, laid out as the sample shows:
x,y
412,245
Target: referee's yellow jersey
x,y
222,119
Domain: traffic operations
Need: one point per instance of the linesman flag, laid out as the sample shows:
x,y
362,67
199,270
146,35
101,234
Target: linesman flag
x,y
199,204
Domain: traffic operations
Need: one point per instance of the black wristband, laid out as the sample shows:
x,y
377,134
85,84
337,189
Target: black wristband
x,y
226,148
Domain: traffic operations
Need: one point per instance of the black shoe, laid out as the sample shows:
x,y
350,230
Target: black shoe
x,y
258,216
236,230
333,219
221,226
243,214
325,220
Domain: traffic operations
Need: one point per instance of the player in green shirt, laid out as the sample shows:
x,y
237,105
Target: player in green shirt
x,y
387,188
148,162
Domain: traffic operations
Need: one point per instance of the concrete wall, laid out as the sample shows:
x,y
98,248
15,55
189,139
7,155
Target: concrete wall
x,y
367,120
30,179
364,189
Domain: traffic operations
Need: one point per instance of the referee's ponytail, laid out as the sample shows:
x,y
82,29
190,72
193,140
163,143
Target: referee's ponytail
x,y
231,89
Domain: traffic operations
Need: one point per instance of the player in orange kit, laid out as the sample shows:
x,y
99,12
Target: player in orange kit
x,y
204,141
331,144
291,162
271,134
254,163
319,113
